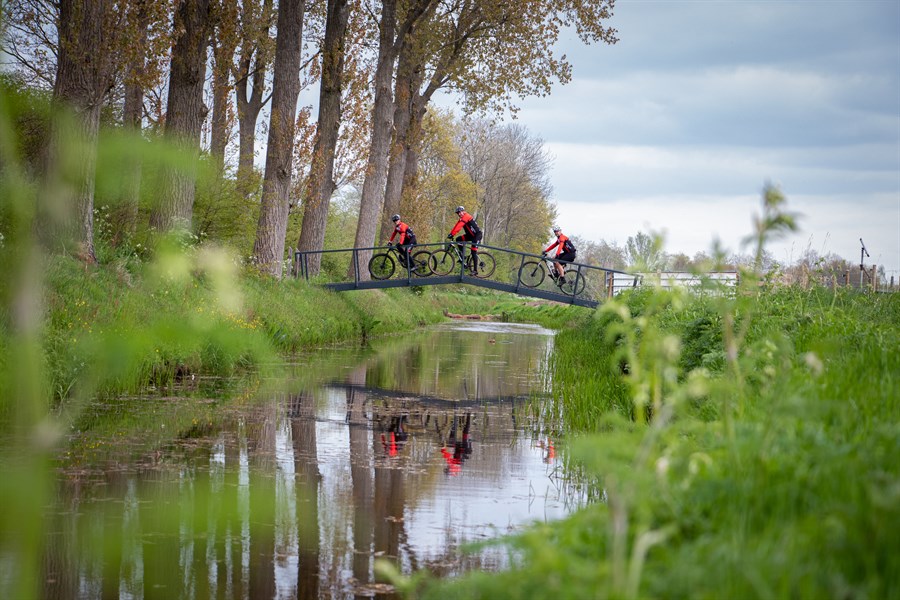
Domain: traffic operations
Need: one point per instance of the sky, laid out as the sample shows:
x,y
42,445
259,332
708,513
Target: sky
x,y
677,128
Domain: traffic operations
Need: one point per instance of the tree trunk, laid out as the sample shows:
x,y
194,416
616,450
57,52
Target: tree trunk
x,y
382,120
408,81
221,119
410,187
321,179
83,77
184,115
133,112
268,249
252,66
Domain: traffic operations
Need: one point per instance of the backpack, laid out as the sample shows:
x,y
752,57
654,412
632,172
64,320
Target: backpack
x,y
568,246
410,236
472,227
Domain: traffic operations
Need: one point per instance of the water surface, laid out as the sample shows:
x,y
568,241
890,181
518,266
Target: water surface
x,y
402,451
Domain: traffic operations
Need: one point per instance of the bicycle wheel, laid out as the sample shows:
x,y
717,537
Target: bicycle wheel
x,y
421,263
442,262
574,284
486,264
381,266
532,273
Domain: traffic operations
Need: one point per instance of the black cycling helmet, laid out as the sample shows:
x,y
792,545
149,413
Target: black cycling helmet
x,y
395,218
459,209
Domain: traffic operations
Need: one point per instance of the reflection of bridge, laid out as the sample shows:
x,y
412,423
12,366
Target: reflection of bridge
x,y
430,400
347,269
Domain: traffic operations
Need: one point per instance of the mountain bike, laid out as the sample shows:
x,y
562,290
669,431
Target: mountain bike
x,y
383,264
533,272
448,258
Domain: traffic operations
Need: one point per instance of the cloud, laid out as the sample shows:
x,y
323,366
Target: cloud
x,y
690,224
679,125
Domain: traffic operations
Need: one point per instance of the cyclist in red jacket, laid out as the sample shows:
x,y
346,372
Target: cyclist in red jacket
x,y
472,232
565,252
407,238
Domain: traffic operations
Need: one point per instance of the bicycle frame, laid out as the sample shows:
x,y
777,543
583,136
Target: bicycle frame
x,y
458,249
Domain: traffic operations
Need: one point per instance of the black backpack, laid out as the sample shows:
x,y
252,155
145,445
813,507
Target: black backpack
x,y
568,246
473,228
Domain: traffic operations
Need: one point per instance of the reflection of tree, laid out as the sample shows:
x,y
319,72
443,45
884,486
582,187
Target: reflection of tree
x,y
160,513
457,364
307,477
390,496
361,476
233,519
261,451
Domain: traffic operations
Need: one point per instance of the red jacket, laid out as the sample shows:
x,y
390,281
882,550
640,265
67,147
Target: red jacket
x,y
464,220
558,244
400,228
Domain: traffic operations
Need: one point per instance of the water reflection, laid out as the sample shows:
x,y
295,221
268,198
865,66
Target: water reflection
x,y
402,451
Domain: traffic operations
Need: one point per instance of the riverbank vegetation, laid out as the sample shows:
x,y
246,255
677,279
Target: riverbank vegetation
x,y
740,446
191,314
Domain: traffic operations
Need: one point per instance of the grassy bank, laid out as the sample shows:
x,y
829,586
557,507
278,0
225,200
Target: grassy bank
x,y
112,330
741,448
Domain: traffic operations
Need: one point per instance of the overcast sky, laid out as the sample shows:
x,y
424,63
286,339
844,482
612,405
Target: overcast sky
x,y
677,127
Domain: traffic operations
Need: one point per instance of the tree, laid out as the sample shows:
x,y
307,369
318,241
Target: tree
x,y
489,51
146,40
30,37
185,113
443,182
253,62
321,177
268,249
600,253
224,15
409,78
84,76
645,252
510,169
390,38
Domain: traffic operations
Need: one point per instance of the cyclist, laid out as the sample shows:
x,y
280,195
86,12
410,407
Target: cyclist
x,y
565,253
407,239
472,232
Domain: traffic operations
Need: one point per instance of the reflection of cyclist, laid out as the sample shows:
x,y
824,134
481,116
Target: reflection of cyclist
x,y
549,451
472,232
462,447
398,437
407,238
565,252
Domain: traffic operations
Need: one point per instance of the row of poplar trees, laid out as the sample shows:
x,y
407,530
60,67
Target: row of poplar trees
x,y
378,64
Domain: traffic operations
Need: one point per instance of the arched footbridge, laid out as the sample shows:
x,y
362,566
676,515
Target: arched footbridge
x,y
450,264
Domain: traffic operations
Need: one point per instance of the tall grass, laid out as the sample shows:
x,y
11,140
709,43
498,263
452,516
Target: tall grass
x,y
741,445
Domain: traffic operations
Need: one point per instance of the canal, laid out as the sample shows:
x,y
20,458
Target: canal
x,y
406,450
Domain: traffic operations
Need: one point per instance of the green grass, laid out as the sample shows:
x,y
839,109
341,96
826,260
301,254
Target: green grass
x,y
773,477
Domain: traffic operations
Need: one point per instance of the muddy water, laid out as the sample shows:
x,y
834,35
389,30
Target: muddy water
x,y
400,452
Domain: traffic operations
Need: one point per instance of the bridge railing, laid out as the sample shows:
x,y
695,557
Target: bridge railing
x,y
347,269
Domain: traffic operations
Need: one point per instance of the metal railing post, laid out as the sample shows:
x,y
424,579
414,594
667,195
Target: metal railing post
x,y
519,272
